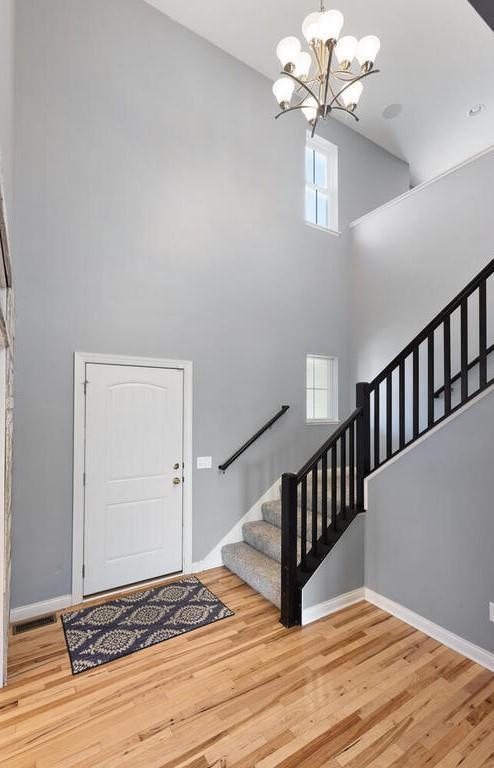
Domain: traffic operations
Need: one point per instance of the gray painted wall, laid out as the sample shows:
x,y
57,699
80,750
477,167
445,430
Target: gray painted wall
x,y
157,216
6,94
342,571
412,257
430,527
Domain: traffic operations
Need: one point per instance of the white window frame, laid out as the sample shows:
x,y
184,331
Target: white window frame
x,y
332,390
330,150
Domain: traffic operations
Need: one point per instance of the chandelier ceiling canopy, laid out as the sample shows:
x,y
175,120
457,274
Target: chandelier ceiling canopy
x,y
322,81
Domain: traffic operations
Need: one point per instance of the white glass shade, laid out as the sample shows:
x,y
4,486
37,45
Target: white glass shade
x,y
351,95
367,49
310,109
303,64
283,90
330,25
311,26
345,49
288,50
322,25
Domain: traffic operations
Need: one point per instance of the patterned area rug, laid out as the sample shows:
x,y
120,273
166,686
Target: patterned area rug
x,y
102,633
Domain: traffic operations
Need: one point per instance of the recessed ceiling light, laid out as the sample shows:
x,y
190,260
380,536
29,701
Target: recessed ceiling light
x,y
475,110
392,111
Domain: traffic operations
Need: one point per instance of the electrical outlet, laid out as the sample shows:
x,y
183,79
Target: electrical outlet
x,y
491,611
204,462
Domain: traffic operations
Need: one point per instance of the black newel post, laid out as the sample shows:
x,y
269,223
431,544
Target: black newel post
x,y
363,440
290,600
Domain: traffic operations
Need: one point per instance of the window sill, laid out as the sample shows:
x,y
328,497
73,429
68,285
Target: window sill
x,y
318,422
333,232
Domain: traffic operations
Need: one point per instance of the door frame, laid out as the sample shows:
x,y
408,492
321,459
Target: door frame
x,y
81,359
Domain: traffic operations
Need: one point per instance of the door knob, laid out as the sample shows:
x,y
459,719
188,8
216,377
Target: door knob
x,y
176,481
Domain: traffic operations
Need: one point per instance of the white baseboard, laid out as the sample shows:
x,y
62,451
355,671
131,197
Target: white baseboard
x,y
444,636
319,611
213,559
25,612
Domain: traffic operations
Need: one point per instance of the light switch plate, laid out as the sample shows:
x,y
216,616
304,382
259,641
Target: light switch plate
x,y
491,611
204,462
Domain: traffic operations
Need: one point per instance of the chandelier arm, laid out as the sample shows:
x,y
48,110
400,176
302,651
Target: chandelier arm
x,y
290,109
344,109
328,74
304,85
360,77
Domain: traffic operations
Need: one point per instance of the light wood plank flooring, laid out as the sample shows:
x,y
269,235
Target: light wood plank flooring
x,y
359,688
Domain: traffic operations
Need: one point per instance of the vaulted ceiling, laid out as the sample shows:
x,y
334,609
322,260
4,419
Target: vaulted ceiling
x,y
436,62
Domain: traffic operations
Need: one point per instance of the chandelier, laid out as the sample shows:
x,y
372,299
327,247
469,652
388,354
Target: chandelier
x,y
323,80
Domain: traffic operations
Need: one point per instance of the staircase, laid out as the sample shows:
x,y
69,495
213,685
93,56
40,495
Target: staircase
x,y
413,394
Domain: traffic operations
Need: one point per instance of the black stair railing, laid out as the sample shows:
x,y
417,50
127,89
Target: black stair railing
x,y
397,408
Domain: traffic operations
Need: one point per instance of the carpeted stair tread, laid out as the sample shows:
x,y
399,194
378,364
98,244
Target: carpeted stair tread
x,y
264,537
271,513
260,572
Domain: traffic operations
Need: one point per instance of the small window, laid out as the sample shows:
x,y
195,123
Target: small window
x,y
321,183
322,389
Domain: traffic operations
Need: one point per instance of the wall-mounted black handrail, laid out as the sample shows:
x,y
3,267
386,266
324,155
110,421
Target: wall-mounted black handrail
x,y
268,425
457,376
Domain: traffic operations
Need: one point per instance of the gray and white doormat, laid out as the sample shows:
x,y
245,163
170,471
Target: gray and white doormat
x,y
102,633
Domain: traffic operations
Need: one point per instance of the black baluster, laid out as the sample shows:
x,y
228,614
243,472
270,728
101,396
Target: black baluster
x,y
324,496
389,415
464,349
482,335
430,379
343,476
415,393
447,365
314,509
402,404
351,450
303,521
377,427
334,517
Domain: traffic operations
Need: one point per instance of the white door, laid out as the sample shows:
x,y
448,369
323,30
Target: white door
x,y
133,482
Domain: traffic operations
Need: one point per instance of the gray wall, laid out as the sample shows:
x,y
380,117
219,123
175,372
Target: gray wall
x,y
160,213
430,527
6,93
412,257
342,571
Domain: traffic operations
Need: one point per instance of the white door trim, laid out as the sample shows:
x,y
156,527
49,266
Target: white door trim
x,y
80,361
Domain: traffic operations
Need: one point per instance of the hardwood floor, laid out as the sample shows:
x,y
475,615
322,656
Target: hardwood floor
x,y
359,688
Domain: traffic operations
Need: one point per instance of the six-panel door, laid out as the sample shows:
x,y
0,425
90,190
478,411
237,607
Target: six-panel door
x,y
133,492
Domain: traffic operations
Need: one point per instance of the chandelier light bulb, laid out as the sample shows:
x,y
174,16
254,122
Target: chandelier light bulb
x,y
288,51
367,50
311,27
303,64
345,50
283,91
330,25
351,95
310,109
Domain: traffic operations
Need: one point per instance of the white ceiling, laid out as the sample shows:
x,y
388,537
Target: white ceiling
x,y
437,60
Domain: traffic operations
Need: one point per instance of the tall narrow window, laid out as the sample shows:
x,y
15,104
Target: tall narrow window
x,y
322,389
321,183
